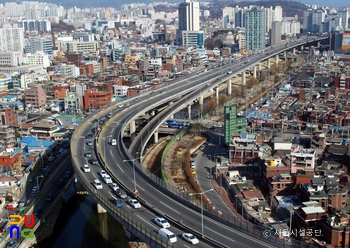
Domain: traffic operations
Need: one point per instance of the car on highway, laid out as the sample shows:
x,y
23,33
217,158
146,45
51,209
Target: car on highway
x,y
109,115
162,222
97,184
88,136
48,197
103,173
120,105
67,174
37,211
90,143
12,244
134,203
60,182
88,154
121,193
136,99
118,203
95,121
190,238
86,168
193,164
107,179
94,160
114,187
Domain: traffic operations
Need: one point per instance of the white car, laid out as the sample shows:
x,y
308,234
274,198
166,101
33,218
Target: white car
x,y
190,238
134,203
121,105
107,179
86,168
103,173
88,155
114,186
162,222
97,184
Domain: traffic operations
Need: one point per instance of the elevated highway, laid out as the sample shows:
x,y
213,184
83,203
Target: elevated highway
x,y
155,196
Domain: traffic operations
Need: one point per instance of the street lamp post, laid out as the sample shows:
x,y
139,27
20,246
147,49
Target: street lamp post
x,y
37,181
133,168
202,193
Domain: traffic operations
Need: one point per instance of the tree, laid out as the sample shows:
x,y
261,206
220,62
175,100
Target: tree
x,y
237,91
211,105
209,43
218,43
223,99
252,82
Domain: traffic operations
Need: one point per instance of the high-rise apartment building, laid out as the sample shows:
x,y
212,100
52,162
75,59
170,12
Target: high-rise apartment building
x,y
35,25
278,14
255,26
228,17
11,39
312,21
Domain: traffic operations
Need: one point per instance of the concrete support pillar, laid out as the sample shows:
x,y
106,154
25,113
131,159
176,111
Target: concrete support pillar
x,y
259,67
100,209
103,227
302,48
284,54
189,111
229,87
217,95
132,127
243,78
254,72
294,51
276,60
268,63
200,100
212,92
156,137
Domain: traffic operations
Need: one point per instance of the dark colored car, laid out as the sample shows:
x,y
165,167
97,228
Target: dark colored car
x,y
37,211
61,182
49,197
67,174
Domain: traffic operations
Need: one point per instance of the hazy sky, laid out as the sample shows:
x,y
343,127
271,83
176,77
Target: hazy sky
x,y
334,3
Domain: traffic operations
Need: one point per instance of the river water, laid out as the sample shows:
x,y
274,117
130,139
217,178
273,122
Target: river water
x,y
79,225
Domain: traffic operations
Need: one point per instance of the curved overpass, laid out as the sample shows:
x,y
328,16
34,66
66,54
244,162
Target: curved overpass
x,y
153,193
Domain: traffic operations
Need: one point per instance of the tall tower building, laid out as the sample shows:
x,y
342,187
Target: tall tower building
x,y
188,33
275,33
189,16
255,27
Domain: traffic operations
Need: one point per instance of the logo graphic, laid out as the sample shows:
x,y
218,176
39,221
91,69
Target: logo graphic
x,y
16,220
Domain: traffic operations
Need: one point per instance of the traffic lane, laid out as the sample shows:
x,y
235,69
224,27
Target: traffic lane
x,y
170,207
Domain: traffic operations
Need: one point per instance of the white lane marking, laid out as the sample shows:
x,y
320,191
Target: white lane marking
x,y
169,207
111,153
219,234
186,246
147,222
120,168
94,175
113,130
139,187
